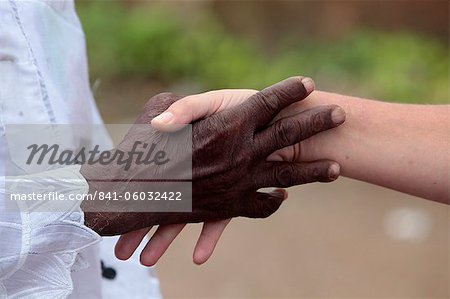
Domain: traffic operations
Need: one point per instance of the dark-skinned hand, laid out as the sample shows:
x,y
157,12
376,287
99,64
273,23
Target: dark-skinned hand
x,y
229,164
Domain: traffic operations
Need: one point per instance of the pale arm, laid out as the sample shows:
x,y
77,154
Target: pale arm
x,y
399,146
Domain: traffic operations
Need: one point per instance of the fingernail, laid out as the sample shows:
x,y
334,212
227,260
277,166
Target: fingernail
x,y
199,257
274,158
308,83
164,117
334,171
338,116
278,192
283,193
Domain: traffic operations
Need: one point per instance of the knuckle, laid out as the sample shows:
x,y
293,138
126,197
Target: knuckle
x,y
164,99
160,97
280,94
159,102
282,133
267,101
285,176
318,172
317,122
302,127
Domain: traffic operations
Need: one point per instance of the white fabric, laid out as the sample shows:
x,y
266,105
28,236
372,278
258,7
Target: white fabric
x,y
39,249
44,79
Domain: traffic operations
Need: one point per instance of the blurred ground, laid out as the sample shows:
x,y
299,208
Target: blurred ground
x,y
342,240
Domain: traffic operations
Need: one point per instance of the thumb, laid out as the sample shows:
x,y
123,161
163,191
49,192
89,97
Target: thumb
x,y
195,107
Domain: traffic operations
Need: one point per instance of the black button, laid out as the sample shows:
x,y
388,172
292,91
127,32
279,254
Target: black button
x,y
108,272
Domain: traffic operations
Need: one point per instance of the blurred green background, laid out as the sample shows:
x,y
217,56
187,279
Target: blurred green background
x,y
192,46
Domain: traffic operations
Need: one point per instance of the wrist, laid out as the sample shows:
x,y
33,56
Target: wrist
x,y
325,145
91,174
336,144
98,178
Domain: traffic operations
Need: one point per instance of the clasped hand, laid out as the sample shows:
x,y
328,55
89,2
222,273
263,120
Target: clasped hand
x,y
229,163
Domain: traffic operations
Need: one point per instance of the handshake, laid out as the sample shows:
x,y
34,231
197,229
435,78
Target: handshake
x,y
242,141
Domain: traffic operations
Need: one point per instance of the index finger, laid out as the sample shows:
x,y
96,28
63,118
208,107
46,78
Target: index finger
x,y
266,104
195,107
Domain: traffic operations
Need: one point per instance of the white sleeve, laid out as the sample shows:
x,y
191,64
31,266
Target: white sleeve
x,y
38,249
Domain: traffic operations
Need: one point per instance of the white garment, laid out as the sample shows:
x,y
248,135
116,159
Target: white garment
x,y
44,79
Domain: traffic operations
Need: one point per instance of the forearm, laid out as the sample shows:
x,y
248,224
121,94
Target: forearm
x,y
402,147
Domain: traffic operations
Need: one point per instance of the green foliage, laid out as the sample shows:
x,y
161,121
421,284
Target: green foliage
x,y
160,44
395,66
